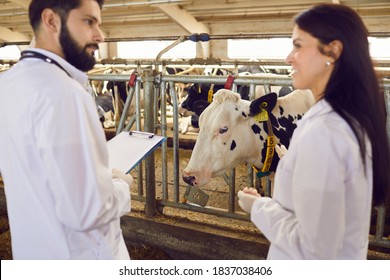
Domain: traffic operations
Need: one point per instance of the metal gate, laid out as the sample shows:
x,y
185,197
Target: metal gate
x,y
157,87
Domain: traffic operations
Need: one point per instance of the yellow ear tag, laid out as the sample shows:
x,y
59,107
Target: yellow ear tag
x,y
262,116
210,96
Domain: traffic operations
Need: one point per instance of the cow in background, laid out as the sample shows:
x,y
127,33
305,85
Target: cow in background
x,y
230,133
254,70
111,100
197,95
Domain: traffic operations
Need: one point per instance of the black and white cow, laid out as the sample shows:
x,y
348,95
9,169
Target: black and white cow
x,y
230,134
198,95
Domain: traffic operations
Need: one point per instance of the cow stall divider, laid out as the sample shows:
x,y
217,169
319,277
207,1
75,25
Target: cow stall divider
x,y
155,88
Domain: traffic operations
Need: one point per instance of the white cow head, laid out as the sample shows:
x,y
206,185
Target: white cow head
x,y
230,135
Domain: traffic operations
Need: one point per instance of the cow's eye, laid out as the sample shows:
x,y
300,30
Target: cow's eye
x,y
223,129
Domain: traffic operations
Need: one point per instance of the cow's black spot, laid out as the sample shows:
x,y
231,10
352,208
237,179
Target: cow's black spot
x,y
281,110
233,145
255,129
283,128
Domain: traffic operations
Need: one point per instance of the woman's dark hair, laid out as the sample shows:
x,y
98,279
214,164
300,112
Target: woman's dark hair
x,y
353,90
62,7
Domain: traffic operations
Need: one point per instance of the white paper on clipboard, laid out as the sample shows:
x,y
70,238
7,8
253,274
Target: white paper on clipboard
x,y
125,151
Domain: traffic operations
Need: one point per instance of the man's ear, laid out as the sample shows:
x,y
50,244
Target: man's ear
x,y
51,20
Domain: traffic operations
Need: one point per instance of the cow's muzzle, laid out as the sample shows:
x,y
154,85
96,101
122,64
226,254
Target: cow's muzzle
x,y
189,180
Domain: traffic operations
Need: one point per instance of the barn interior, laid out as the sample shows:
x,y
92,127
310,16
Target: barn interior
x,y
170,228
138,20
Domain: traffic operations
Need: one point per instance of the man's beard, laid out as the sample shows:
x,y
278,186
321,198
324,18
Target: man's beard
x,y
74,54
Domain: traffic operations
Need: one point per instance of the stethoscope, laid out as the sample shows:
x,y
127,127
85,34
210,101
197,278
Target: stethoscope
x,y
33,54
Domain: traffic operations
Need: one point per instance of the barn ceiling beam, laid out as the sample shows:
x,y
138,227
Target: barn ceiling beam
x,y
7,35
22,3
188,23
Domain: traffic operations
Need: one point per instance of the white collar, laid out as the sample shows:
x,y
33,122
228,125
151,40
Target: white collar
x,y
321,107
75,73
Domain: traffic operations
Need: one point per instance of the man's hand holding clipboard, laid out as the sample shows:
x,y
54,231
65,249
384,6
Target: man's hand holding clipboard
x,y
127,149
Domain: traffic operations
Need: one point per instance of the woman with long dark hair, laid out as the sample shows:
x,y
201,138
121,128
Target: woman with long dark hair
x,y
338,162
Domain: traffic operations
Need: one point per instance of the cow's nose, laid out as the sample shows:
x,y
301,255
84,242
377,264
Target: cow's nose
x,y
189,180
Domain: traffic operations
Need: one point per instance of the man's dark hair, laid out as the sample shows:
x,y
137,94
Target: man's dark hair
x,y
62,7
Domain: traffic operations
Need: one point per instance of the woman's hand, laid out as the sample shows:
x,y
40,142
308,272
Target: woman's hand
x,y
280,150
246,197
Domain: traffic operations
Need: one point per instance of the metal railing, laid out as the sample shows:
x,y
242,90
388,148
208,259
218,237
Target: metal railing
x,y
158,87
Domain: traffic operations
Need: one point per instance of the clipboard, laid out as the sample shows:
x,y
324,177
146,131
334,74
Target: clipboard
x,y
127,149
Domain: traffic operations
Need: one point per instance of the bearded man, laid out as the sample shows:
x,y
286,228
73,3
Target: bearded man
x,y
63,200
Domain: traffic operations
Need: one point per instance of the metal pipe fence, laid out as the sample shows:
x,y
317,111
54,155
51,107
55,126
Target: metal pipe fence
x,y
159,87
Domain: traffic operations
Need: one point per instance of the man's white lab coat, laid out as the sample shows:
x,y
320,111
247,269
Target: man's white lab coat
x,y
61,198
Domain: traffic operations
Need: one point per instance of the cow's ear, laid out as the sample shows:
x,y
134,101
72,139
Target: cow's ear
x,y
266,102
199,106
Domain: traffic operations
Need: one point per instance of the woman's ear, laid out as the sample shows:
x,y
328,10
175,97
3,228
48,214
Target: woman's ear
x,y
334,50
337,48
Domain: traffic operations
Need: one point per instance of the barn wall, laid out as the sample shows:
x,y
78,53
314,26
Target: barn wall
x,y
378,24
218,48
260,26
148,31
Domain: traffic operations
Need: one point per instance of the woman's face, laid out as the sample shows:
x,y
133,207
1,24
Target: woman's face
x,y
310,67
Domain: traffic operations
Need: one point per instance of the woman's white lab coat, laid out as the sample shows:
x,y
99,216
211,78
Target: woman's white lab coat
x,y
322,193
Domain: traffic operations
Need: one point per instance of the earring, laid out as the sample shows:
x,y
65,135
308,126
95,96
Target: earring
x,y
328,63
